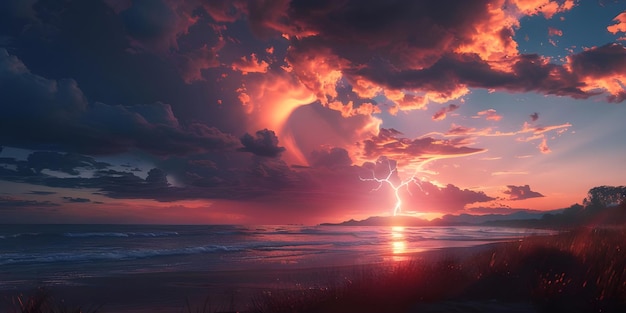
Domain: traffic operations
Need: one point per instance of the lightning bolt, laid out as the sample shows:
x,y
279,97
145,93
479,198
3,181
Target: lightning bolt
x,y
396,187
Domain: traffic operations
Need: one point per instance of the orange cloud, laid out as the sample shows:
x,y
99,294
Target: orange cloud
x,y
348,109
546,7
318,69
602,69
490,115
250,65
620,24
492,36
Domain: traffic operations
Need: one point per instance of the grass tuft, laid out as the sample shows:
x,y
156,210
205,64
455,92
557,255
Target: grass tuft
x,y
43,302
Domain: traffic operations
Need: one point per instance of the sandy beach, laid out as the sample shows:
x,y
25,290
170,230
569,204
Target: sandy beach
x,y
224,290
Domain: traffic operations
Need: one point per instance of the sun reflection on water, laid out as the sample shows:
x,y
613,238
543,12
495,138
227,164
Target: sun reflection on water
x,y
398,243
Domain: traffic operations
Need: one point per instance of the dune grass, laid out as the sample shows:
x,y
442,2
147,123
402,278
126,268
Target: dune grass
x,y
583,270
43,302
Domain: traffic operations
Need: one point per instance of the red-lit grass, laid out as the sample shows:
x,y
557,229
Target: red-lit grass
x,y
577,271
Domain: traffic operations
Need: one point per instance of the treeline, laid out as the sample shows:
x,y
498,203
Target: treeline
x,y
604,205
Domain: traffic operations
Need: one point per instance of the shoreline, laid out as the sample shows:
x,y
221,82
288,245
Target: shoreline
x,y
162,292
580,270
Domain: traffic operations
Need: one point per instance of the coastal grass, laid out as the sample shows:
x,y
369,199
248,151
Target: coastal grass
x,y
43,302
582,270
579,270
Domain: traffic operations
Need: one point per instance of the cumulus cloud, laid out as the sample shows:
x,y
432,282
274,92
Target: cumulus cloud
x,y
334,42
521,192
263,143
602,68
330,158
42,112
448,198
156,24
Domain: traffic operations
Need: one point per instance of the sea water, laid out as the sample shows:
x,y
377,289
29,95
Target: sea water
x,y
34,255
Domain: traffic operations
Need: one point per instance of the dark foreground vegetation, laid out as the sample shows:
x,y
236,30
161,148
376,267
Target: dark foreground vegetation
x,y
582,270
579,271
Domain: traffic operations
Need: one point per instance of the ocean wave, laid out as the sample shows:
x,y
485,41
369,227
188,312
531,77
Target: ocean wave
x,y
19,235
17,258
124,234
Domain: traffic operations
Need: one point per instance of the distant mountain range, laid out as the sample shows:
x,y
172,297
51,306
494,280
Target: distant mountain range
x,y
575,215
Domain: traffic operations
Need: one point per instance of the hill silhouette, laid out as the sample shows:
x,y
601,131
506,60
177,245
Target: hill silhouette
x,y
604,205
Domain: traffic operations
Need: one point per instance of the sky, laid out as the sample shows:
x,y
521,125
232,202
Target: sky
x,y
276,111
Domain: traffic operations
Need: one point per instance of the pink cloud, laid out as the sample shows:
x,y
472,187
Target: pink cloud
x,y
389,143
543,147
441,114
490,115
554,32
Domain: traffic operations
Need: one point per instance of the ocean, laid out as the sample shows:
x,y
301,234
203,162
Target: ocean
x,y
52,255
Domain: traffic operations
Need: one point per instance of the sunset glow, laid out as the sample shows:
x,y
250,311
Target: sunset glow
x,y
248,112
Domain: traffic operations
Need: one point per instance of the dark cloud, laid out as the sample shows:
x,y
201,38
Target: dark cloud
x,y
334,157
157,177
600,62
41,193
433,198
76,200
416,45
47,113
534,117
521,192
502,210
528,73
151,22
62,162
264,143
12,203
602,67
